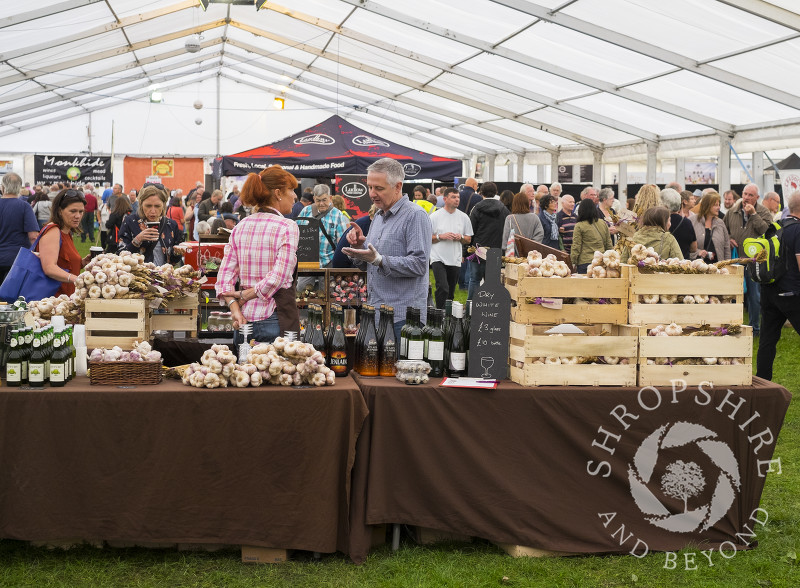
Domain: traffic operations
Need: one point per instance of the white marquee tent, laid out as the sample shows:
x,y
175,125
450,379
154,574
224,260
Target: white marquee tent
x,y
519,82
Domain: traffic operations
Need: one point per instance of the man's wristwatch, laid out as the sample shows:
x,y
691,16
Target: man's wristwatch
x,y
437,237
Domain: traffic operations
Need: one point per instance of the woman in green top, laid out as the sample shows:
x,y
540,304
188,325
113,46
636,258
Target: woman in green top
x,y
590,235
655,233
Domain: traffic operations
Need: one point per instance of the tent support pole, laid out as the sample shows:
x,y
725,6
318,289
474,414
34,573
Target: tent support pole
x,y
622,183
219,113
597,170
652,162
724,167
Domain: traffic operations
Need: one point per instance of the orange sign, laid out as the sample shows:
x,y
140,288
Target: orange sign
x,y
163,167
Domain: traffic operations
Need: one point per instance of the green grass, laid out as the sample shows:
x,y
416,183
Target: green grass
x,y
773,563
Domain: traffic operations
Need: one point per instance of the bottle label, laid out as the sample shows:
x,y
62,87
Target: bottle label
x,y
389,352
436,351
24,370
13,372
36,372
403,346
416,349
458,361
57,372
339,362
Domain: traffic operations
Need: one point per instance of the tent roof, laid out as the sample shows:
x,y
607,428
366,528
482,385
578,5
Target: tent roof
x,y
336,146
489,76
791,162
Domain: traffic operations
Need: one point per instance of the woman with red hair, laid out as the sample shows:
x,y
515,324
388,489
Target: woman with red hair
x,y
262,255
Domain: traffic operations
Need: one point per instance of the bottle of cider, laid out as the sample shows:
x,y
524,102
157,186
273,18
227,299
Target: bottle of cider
x,y
388,344
457,352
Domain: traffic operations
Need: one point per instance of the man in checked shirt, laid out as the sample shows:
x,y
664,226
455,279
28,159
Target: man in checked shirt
x,y
396,252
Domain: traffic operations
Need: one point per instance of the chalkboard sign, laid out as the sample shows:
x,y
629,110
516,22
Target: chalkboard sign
x,y
308,246
488,330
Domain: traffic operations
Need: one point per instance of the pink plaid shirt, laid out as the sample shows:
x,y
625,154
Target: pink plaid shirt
x,y
261,253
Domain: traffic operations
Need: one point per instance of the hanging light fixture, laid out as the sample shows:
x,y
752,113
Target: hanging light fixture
x,y
279,102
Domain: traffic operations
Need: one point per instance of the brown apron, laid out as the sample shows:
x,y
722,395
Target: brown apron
x,y
286,303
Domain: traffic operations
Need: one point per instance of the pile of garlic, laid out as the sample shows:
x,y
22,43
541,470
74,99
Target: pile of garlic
x,y
142,351
685,299
675,330
292,363
110,276
549,267
218,369
284,363
605,264
647,257
578,359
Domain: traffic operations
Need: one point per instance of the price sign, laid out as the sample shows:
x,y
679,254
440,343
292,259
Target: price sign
x,y
489,324
308,245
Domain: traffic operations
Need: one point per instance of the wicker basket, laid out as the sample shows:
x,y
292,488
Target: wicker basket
x,y
125,373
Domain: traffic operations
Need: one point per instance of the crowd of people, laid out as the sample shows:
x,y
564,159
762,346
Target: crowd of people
x,y
402,239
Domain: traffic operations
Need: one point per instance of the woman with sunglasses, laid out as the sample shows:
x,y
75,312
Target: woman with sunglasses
x,y
60,260
149,232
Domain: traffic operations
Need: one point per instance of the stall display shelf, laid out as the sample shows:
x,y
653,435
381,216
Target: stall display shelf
x,y
116,322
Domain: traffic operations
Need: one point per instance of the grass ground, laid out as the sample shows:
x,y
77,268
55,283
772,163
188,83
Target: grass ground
x,y
773,563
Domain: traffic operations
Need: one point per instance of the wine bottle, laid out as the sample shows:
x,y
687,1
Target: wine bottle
x,y
338,346
381,328
448,315
426,332
36,363
457,353
317,335
369,346
58,360
14,359
359,341
388,344
416,344
330,332
434,353
404,333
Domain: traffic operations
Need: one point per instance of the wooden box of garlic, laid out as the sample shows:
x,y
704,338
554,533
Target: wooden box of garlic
x,y
599,355
663,294
600,297
181,314
719,355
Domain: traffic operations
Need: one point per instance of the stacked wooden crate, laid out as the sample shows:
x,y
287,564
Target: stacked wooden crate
x,y
181,314
116,322
544,303
686,358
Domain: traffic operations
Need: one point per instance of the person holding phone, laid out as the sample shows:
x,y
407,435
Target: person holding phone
x,y
150,232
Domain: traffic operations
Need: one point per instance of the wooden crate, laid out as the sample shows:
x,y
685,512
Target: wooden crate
x,y
263,555
528,342
426,536
522,551
521,287
687,314
116,322
181,315
739,346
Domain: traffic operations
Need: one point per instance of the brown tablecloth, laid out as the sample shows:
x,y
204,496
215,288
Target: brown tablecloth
x,y
513,465
265,466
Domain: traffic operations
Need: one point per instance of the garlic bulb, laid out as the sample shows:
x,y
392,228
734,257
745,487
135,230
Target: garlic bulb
x,y
688,299
673,329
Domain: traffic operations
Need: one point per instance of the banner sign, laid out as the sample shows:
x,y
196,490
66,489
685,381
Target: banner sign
x,y
6,167
163,167
71,168
353,188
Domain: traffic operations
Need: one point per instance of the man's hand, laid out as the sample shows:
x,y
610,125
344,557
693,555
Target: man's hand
x,y
733,242
370,255
749,209
448,236
355,237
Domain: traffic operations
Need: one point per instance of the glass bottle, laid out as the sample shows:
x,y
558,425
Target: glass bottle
x,y
448,315
317,335
72,353
37,361
434,354
58,360
381,329
26,349
369,345
338,345
457,352
404,333
335,313
388,344
467,317
47,346
14,359
416,344
359,340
